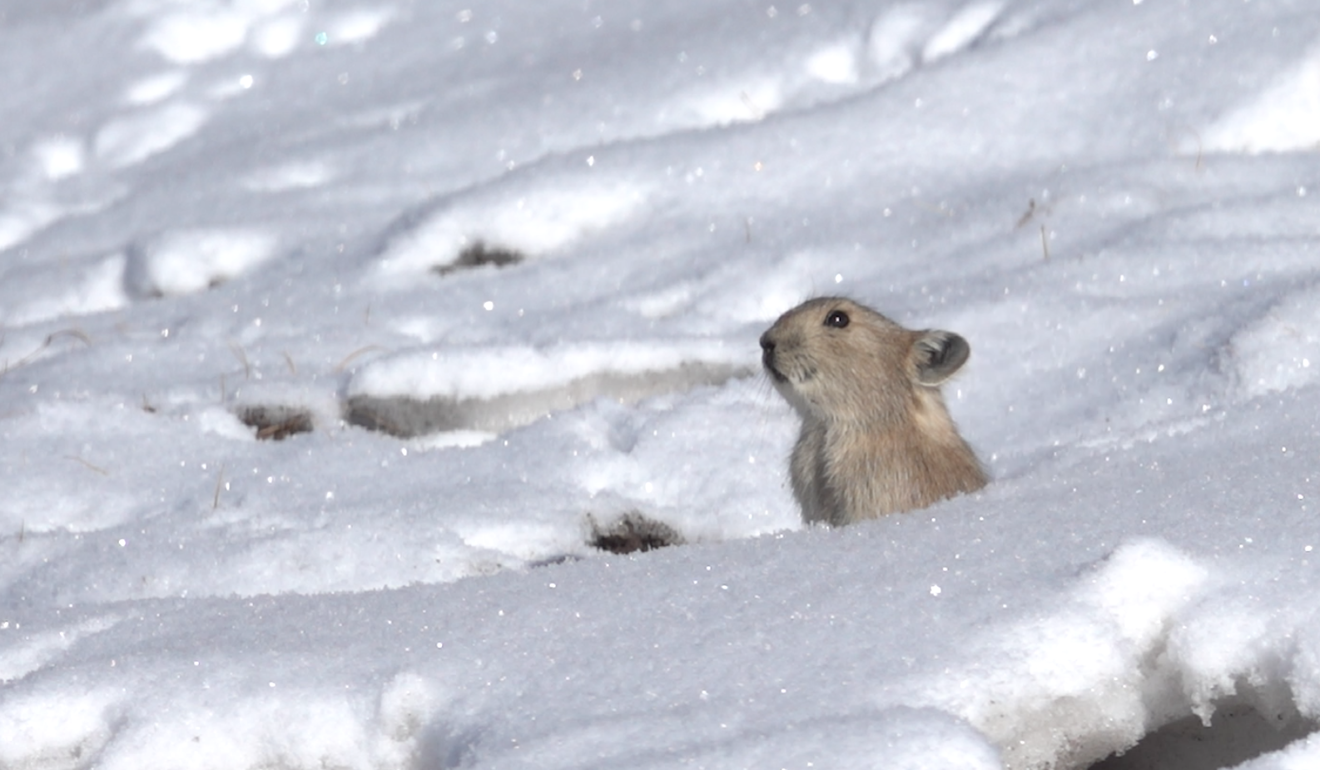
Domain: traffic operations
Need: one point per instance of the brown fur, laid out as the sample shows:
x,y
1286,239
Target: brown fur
x,y
876,437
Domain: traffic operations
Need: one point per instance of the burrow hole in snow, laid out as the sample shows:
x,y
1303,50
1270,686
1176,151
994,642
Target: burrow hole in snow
x,y
275,422
1237,732
631,533
479,254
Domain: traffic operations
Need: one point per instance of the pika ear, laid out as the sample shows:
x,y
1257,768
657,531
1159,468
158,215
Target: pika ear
x,y
938,355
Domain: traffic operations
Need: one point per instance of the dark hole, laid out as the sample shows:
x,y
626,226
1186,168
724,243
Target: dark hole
x,y
1236,734
479,254
633,532
276,423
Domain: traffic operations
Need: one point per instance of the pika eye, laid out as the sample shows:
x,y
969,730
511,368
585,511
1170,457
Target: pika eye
x,y
838,319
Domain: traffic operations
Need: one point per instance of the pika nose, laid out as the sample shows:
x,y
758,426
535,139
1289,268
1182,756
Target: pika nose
x,y
767,350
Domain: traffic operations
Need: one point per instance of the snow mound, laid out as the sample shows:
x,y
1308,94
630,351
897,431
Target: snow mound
x,y
493,389
22,220
187,261
132,139
356,25
293,175
278,37
961,30
1282,349
156,88
908,34
895,38
479,373
834,64
198,33
742,99
59,157
91,288
1285,118
531,222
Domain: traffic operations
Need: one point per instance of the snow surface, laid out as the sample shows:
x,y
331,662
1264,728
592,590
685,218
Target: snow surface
x,y
217,209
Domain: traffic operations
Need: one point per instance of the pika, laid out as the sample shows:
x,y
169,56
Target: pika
x,y
876,437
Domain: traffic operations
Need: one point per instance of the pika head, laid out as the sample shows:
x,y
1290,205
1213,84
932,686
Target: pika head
x,y
876,436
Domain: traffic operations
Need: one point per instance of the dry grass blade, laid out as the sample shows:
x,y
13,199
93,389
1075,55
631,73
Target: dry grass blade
x,y
238,352
343,365
78,333
50,338
219,482
1028,214
96,468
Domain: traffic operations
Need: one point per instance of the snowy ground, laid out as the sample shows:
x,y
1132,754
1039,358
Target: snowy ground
x,y
267,210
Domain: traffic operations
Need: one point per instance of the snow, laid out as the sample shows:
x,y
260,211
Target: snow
x,y
334,333
485,373
1286,116
961,30
187,261
1281,350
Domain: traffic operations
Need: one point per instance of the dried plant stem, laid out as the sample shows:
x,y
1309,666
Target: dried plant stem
x,y
219,484
96,468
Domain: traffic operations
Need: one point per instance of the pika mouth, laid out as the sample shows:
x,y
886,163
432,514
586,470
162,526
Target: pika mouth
x,y
795,376
768,361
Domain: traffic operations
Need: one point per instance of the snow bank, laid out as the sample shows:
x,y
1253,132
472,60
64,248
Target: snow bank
x,y
494,389
485,373
1088,677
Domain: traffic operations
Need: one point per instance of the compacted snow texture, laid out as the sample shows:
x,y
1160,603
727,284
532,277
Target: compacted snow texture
x,y
335,332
